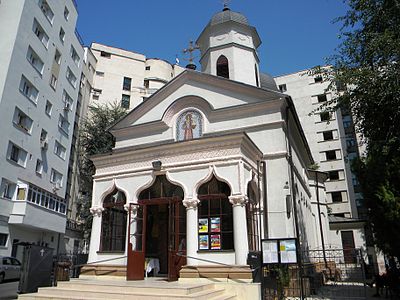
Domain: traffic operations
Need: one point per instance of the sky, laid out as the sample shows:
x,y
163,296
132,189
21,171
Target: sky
x,y
295,34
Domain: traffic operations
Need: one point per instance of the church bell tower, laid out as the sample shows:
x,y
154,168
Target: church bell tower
x,y
228,46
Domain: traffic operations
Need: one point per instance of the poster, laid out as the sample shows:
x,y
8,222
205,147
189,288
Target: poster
x,y
215,224
216,241
203,225
203,242
288,251
270,252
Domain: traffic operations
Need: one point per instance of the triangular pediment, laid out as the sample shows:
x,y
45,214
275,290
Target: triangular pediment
x,y
206,92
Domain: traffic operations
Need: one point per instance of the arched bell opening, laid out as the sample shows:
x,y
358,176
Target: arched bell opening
x,y
223,67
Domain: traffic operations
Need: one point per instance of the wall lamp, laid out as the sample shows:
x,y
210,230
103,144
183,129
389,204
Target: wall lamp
x,y
156,165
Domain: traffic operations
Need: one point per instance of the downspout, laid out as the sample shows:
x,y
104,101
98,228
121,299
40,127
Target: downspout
x,y
296,221
320,221
265,202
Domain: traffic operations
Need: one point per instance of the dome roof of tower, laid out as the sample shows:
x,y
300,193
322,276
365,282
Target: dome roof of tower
x,y
268,82
227,15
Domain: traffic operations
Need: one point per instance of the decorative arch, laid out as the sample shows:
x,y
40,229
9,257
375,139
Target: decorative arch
x,y
212,172
113,222
189,125
223,67
161,188
113,187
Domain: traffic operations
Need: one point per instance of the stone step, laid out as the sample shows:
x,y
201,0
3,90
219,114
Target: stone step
x,y
120,294
133,288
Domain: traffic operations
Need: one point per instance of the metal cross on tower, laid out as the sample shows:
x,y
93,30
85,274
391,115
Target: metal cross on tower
x,y
192,47
226,3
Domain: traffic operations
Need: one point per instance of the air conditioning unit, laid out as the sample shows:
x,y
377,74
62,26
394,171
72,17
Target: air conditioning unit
x,y
57,185
44,144
67,106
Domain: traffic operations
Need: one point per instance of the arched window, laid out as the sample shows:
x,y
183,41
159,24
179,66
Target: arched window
x,y
215,216
252,217
223,67
113,226
256,73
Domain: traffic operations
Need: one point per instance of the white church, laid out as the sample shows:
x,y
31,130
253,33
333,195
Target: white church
x,y
204,169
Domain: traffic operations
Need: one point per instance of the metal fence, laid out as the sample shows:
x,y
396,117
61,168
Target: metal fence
x,y
329,274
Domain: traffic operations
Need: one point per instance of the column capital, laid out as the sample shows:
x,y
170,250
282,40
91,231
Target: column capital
x,y
238,200
96,211
190,203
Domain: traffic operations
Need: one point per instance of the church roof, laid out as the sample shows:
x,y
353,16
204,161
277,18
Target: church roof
x,y
268,82
227,15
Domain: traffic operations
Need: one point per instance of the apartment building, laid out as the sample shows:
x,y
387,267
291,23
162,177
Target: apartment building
x,y
334,145
41,61
128,78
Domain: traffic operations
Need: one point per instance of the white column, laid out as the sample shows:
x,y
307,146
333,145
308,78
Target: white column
x,y
240,228
95,233
191,229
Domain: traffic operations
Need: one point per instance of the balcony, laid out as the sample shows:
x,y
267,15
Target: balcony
x,y
31,215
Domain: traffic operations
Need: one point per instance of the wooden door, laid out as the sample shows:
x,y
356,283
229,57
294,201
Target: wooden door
x,y
136,242
176,238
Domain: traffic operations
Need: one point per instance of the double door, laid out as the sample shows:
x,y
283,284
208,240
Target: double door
x,y
137,233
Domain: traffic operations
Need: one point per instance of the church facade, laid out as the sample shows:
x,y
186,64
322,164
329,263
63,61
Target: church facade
x,y
205,168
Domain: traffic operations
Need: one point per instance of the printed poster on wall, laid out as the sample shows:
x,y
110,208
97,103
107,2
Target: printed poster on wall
x,y
203,225
216,241
288,251
270,252
203,242
215,224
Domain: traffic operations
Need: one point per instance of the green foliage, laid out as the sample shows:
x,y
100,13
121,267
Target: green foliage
x,y
94,138
367,64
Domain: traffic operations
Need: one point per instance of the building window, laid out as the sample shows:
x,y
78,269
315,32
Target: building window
x,y
113,225
3,239
325,116
126,86
147,68
71,77
215,217
39,166
333,175
252,217
22,121
56,178
35,60
256,73
57,57
125,102
7,189
336,197
331,155
318,79
100,74
67,101
328,135
53,81
146,83
105,54
282,88
45,8
74,55
322,98
223,67
40,33
59,150
66,13
62,35
17,154
48,108
63,124
27,88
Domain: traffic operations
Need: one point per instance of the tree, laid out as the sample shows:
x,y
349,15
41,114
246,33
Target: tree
x,y
368,65
94,138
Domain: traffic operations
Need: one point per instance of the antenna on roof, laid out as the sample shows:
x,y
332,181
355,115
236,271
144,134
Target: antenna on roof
x,y
192,47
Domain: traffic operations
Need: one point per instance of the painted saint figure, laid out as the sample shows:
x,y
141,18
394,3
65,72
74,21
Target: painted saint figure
x,y
188,126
